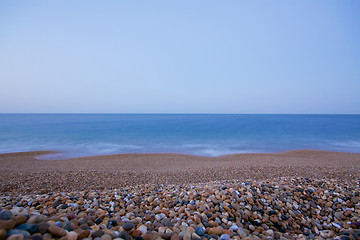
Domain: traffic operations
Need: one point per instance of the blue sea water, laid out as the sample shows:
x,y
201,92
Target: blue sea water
x,y
77,135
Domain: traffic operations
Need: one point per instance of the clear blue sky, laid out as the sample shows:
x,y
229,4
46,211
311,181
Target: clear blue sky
x,y
180,56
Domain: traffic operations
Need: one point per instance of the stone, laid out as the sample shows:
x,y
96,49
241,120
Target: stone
x,y
43,227
57,231
252,227
224,237
327,233
95,228
37,219
106,237
185,234
217,231
194,236
97,233
345,238
339,215
128,226
6,214
2,234
113,234
168,224
191,230
143,229
241,232
36,237
7,224
348,213
234,227
200,231
124,235
69,226
175,237
83,234
15,237
269,232
20,219
136,233
355,224
31,228
72,235
18,231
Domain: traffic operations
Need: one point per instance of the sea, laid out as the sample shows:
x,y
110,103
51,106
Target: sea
x,y
78,135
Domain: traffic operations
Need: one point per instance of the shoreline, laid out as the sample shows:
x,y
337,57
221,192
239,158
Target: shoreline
x,y
24,168
45,152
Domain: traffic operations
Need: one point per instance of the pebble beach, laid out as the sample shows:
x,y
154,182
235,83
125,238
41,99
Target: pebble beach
x,y
301,194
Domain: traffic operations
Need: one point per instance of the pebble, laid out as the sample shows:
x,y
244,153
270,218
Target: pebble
x,y
124,235
194,236
143,229
200,231
7,224
43,227
3,233
57,231
106,237
128,226
224,237
185,234
283,208
216,230
97,233
5,214
72,235
31,228
19,219
16,237
19,232
234,227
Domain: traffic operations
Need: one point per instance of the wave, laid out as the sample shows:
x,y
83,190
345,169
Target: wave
x,y
74,149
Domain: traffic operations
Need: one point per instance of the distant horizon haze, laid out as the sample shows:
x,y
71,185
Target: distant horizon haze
x,y
205,57
171,113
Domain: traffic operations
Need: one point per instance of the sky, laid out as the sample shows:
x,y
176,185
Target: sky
x,y
180,56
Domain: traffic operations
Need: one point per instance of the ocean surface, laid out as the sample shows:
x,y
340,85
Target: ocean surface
x,y
75,135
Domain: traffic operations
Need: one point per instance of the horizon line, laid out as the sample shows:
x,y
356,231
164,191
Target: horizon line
x,y
147,113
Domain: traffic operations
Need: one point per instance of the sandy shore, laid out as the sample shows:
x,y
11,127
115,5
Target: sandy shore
x,y
22,172
292,195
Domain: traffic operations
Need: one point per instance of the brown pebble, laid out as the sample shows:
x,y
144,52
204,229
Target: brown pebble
x,y
37,219
348,213
71,235
2,234
83,234
217,231
43,227
95,228
57,231
7,224
20,219
213,224
148,236
16,237
175,237
197,219
274,219
147,217
136,233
